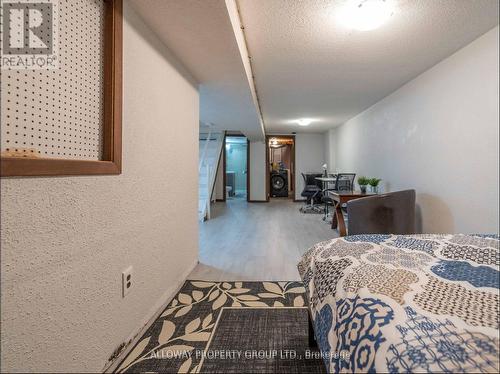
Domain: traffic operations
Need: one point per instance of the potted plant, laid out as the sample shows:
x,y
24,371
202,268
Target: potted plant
x,y
363,182
374,184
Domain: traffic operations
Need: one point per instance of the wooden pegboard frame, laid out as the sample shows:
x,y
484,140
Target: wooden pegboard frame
x,y
110,158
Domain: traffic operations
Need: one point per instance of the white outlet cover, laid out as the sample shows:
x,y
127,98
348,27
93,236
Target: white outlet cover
x,y
127,280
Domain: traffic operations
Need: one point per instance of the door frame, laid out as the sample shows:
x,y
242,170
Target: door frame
x,y
292,160
226,135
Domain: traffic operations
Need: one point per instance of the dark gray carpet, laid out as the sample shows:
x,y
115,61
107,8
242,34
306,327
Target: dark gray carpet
x,y
267,340
263,328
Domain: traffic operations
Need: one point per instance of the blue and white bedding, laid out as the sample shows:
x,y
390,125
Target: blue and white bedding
x,y
392,303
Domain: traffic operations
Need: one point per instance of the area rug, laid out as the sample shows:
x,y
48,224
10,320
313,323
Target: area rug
x,y
229,327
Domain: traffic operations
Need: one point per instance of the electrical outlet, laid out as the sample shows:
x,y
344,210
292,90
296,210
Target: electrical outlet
x,y
127,280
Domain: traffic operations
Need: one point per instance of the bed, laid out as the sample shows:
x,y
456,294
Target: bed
x,y
405,303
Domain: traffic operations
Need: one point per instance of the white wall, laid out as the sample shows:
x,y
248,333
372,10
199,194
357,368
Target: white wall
x,y
309,157
329,139
257,170
66,240
439,135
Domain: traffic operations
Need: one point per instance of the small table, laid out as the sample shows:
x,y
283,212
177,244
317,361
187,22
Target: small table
x,y
342,197
324,182
326,179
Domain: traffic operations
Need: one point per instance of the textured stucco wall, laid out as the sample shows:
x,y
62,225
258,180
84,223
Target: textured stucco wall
x,y
66,240
437,134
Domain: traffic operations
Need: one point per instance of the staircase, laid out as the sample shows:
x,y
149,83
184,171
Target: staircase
x,y
211,143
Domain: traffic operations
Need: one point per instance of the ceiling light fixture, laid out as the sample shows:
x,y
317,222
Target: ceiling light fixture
x,y
366,15
304,121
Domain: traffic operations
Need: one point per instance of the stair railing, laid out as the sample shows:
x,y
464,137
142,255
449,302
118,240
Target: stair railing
x,y
204,152
209,198
210,169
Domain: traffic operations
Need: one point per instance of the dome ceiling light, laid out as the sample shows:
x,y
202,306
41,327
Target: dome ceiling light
x,y
365,15
304,121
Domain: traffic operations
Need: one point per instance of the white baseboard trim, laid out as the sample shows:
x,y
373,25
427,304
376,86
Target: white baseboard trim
x,y
152,315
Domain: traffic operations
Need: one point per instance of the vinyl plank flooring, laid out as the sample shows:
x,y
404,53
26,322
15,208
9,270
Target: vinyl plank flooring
x,y
254,241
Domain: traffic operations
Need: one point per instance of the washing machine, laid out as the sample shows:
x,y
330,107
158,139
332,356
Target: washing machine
x,y
279,183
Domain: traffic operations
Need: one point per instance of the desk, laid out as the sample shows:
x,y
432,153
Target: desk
x,y
342,197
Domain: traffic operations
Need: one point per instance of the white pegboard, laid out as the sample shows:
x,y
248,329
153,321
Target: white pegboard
x,y
59,113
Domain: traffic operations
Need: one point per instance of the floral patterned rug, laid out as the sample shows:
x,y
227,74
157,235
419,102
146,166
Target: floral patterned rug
x,y
180,338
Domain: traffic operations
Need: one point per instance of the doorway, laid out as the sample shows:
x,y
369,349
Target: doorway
x,y
280,161
236,167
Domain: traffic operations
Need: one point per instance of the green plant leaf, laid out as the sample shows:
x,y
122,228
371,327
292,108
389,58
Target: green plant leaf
x,y
374,182
363,181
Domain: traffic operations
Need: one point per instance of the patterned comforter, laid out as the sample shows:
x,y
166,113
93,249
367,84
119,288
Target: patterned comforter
x,y
427,303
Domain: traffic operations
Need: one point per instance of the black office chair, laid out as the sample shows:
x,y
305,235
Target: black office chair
x,y
312,192
345,182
